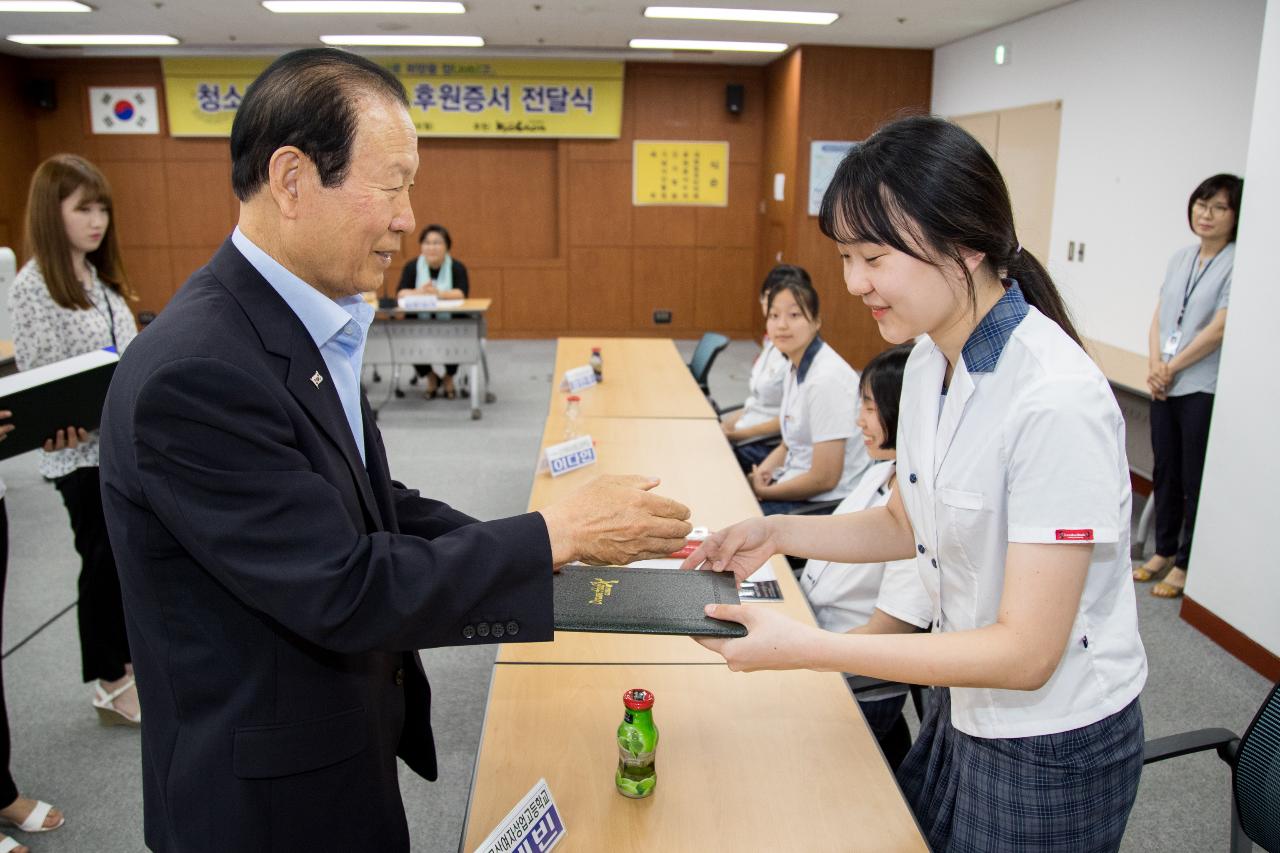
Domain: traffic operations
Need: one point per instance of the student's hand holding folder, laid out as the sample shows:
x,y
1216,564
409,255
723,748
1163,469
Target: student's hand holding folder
x,y
66,439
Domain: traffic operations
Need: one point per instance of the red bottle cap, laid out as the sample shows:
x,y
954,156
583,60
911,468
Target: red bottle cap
x,y
574,398
638,699
595,349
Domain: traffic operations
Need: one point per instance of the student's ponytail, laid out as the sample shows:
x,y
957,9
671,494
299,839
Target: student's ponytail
x,y
927,188
1039,291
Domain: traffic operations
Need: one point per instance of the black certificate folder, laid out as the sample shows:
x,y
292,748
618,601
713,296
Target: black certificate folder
x,y
52,397
620,600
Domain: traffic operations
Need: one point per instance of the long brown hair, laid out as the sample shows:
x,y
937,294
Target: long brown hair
x,y
55,180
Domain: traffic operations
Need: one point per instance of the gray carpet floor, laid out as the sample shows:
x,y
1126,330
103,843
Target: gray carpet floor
x,y
61,754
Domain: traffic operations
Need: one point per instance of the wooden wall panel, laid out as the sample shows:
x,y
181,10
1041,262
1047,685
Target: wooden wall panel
x,y
600,204
600,288
17,155
150,271
536,299
665,226
726,292
663,106
486,283
496,197
664,279
194,217
140,202
737,224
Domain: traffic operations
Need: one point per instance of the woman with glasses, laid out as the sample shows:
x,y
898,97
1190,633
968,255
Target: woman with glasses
x,y
1183,344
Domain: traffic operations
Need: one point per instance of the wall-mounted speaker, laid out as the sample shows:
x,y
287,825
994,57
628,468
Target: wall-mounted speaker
x,y
735,96
40,93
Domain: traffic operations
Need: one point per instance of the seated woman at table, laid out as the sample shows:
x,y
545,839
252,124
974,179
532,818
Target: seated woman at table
x,y
874,598
817,459
435,273
753,428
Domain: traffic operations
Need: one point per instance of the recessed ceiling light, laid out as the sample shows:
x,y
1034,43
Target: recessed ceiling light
x,y
763,16
43,6
45,40
694,44
369,7
404,41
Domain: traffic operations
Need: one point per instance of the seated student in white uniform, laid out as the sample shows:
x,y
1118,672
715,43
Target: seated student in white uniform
x,y
1014,498
753,429
818,458
874,598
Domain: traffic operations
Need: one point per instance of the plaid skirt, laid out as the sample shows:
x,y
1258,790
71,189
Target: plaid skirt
x,y
1068,792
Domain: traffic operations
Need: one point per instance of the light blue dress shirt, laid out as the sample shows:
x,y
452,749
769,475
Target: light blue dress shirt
x,y
339,327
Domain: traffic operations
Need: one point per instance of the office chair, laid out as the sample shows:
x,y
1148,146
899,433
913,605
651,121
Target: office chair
x,y
1254,760
711,345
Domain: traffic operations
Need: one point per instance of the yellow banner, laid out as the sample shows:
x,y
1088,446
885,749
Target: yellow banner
x,y
447,97
680,173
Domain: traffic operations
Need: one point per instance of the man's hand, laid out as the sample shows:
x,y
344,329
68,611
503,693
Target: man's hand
x,y
5,429
615,520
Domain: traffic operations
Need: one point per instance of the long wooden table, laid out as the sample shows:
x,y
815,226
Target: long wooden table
x,y
746,761
643,378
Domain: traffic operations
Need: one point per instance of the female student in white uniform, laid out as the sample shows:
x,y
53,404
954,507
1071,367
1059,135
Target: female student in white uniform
x,y
1014,498
874,598
818,458
753,429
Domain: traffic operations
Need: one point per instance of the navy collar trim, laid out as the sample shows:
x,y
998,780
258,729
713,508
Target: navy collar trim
x,y
982,351
806,360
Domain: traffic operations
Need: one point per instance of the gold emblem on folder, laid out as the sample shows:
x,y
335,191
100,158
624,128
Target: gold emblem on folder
x,y
601,587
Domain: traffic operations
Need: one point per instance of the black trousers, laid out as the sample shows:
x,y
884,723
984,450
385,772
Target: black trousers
x,y
104,646
8,790
1179,438
424,369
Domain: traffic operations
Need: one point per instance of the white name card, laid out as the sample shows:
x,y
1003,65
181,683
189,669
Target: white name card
x,y
533,826
425,302
577,378
571,455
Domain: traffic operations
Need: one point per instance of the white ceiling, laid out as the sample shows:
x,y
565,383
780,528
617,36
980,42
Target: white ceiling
x,y
545,28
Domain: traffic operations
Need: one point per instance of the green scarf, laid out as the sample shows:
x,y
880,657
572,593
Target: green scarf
x,y
445,280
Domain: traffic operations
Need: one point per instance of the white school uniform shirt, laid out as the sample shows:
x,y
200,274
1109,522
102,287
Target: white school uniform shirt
x,y
768,375
1027,445
843,595
820,403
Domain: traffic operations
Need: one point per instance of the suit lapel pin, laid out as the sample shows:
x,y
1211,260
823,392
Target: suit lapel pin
x,y
316,379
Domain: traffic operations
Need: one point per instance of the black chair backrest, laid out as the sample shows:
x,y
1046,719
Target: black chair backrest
x,y
1256,780
711,345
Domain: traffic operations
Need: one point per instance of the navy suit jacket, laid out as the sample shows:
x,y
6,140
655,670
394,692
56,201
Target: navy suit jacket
x,y
275,586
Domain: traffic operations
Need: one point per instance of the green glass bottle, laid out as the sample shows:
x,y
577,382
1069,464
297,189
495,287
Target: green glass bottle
x,y
637,744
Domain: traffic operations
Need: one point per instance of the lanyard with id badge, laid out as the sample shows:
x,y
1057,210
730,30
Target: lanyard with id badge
x,y
1170,348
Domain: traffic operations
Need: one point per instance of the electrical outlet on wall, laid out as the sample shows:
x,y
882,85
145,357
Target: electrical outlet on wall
x,y
661,317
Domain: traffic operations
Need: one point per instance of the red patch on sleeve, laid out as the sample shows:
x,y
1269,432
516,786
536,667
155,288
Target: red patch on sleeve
x,y
1085,535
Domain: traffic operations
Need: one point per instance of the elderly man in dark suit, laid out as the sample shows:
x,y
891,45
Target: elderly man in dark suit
x,y
276,579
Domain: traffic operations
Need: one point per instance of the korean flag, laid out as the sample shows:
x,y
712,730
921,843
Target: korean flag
x,y
120,110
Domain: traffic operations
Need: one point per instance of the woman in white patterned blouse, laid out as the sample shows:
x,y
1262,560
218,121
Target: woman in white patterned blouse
x,y
69,299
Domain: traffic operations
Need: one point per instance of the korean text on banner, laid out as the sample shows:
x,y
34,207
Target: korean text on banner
x,y
680,173
494,98
533,826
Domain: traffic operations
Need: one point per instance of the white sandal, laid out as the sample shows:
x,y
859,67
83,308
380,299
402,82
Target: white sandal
x,y
108,713
7,844
34,822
